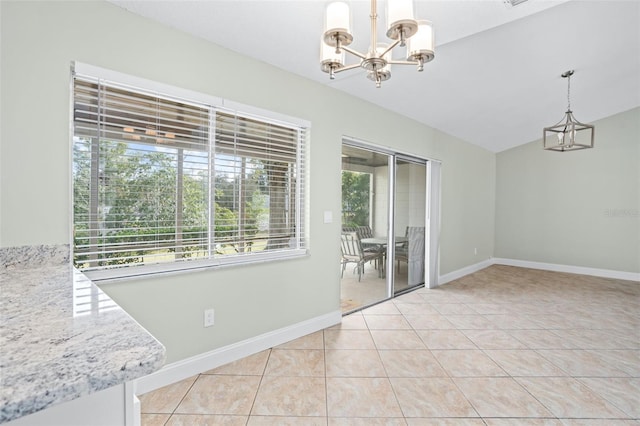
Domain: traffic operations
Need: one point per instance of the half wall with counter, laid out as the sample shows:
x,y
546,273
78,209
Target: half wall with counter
x,y
68,353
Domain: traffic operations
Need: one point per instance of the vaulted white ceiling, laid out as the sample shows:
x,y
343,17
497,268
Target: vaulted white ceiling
x,y
495,81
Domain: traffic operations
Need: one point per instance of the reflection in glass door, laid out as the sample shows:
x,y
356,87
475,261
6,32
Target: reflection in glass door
x,y
365,201
390,222
409,224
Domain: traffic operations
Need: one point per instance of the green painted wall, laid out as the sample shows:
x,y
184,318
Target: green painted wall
x,y
574,208
39,40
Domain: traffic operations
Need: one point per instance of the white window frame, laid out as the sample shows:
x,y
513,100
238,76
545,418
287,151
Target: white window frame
x,y
222,105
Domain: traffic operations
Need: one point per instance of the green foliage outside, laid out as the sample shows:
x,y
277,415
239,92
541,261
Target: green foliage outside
x,y
137,205
356,190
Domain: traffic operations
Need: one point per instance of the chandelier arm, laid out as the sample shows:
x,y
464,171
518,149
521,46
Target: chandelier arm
x,y
347,68
353,52
567,121
391,46
404,62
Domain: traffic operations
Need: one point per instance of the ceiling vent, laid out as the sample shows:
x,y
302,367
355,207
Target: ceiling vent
x,y
513,2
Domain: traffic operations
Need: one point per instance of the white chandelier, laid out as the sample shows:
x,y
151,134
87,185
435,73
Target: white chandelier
x,y
416,35
568,134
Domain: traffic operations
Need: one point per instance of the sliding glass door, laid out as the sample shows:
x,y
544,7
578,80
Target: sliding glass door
x,y
365,197
409,223
386,225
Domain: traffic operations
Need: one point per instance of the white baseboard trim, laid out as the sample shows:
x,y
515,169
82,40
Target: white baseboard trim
x,y
185,368
605,273
443,279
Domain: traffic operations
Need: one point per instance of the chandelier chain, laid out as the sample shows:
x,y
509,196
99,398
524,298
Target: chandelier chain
x,y
569,92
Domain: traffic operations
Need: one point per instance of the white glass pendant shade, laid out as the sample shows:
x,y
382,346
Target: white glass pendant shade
x,y
337,24
400,19
337,17
330,61
421,45
328,54
398,11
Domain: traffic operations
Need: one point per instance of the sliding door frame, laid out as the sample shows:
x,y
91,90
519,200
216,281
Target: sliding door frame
x,y
432,210
391,244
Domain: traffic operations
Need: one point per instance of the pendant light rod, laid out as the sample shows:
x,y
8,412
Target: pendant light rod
x,y
373,16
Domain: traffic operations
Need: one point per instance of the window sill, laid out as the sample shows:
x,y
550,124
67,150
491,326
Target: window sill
x,y
147,271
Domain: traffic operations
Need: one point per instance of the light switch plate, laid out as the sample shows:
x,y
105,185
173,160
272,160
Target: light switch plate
x,y
328,216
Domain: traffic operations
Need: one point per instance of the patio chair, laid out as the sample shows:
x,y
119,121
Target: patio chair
x,y
402,249
414,254
352,252
364,231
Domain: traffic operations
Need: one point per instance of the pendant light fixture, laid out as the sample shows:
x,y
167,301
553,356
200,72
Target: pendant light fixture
x,y
402,29
569,134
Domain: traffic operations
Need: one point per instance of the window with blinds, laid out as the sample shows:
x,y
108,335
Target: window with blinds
x,y
163,181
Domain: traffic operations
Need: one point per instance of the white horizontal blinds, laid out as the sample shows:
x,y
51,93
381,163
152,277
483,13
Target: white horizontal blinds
x,y
301,195
159,180
257,164
129,116
141,178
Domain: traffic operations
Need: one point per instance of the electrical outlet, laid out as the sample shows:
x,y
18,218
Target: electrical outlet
x,y
209,317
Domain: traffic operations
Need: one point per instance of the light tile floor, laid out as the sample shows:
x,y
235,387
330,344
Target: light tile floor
x,y
502,346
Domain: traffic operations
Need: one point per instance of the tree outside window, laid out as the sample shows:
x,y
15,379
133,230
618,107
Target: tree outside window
x,y
157,180
356,193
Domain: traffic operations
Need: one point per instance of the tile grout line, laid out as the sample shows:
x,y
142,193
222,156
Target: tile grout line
x,y
255,397
617,344
182,399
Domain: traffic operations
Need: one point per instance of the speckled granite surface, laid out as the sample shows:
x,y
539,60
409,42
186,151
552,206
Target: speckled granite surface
x,y
34,256
61,336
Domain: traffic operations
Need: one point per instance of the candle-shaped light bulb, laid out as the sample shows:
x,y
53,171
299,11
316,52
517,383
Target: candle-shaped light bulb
x,y
561,138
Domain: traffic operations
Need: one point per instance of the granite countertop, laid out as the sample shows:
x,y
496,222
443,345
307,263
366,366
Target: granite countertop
x,y
61,336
